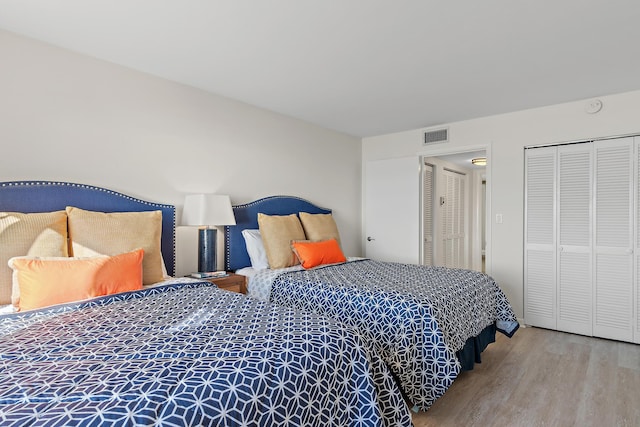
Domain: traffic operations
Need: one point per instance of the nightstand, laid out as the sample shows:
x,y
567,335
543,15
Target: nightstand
x,y
233,282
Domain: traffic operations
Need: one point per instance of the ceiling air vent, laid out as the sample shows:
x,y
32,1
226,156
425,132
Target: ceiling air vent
x,y
436,136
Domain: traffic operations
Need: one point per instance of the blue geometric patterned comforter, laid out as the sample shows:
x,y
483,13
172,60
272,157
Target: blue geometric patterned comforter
x,y
189,354
416,317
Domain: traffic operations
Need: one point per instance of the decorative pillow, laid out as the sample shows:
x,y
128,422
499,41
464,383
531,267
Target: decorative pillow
x,y
277,232
98,233
32,234
313,254
57,280
319,226
255,249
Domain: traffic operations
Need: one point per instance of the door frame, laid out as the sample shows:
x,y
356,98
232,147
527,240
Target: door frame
x,y
436,151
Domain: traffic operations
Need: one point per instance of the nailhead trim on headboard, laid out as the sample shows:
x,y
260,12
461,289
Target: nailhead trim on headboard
x,y
278,205
164,207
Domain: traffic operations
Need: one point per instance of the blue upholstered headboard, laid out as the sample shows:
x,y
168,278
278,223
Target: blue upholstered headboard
x,y
236,255
46,196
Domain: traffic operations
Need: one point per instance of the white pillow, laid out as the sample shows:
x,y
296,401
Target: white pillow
x,y
255,248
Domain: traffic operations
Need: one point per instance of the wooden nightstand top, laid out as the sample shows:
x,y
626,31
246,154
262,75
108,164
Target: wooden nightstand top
x,y
233,282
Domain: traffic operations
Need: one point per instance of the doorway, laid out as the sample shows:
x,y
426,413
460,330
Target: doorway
x,y
454,196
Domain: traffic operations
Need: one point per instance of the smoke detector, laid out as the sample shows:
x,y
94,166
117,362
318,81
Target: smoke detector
x,y
593,106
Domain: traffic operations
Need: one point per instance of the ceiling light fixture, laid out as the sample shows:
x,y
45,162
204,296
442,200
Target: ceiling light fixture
x,y
479,161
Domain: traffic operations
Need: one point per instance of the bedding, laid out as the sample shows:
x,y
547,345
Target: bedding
x,y
187,353
177,353
312,254
425,322
416,317
255,249
319,226
100,233
33,234
56,280
277,232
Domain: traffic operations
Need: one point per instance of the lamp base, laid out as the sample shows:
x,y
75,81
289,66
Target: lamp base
x,y
206,250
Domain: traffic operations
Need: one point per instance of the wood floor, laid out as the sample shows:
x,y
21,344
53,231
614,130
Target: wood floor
x,y
544,378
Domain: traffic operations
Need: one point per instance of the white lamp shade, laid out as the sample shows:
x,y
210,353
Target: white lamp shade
x,y
207,210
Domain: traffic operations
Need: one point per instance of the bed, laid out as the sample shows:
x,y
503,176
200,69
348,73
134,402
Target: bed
x,y
175,352
426,323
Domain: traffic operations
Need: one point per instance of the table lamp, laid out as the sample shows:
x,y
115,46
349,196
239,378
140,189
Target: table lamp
x,y
204,211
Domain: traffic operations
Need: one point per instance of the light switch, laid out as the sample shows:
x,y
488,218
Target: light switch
x,y
498,218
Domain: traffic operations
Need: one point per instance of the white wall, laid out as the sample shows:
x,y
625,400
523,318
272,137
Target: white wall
x,y
69,117
507,135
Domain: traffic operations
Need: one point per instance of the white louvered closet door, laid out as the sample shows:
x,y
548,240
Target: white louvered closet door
x,y
453,220
540,241
574,290
636,321
427,218
613,235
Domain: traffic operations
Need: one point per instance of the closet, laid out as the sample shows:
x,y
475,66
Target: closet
x,y
581,233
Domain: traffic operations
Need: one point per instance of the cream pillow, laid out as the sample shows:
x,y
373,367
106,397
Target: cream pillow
x,y
28,234
98,233
277,232
319,227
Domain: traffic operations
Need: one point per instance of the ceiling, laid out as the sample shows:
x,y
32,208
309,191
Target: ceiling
x,y
362,67
463,160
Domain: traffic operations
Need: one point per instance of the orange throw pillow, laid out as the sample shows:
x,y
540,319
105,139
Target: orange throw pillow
x,y
313,254
57,280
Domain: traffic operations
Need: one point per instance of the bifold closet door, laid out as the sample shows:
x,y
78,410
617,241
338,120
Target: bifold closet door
x,y
636,312
574,293
540,298
613,239
453,220
427,214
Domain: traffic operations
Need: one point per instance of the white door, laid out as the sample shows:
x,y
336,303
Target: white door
x,y
579,238
392,210
453,209
540,237
574,295
636,335
613,263
427,214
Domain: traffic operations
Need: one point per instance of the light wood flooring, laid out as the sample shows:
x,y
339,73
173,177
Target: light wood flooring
x,y
544,378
